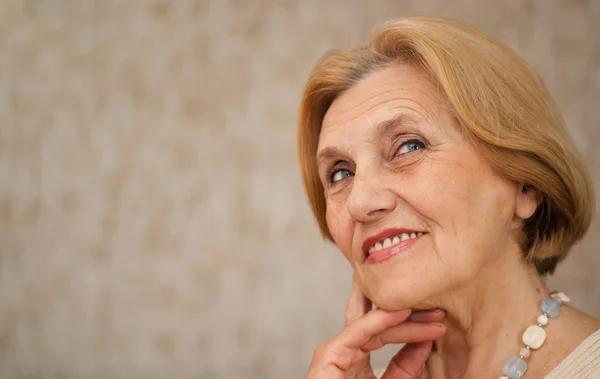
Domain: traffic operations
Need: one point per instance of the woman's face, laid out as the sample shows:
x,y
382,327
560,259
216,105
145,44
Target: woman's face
x,y
412,205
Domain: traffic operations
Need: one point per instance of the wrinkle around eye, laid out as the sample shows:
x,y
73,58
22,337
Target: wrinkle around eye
x,y
333,189
408,160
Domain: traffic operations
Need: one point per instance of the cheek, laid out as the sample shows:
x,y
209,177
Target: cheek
x,y
340,226
459,199
469,210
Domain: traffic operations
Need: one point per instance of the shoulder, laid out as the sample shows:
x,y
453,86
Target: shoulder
x,y
582,363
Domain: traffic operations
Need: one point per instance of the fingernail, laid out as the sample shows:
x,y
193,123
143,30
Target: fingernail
x,y
438,324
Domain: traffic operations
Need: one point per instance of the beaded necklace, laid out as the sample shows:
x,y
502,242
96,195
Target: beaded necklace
x,y
534,336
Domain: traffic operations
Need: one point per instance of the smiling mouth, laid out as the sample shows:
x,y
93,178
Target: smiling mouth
x,y
393,241
388,243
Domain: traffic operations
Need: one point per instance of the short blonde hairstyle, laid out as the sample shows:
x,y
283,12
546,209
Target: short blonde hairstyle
x,y
501,105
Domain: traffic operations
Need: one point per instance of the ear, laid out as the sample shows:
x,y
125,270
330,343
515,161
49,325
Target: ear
x,y
527,201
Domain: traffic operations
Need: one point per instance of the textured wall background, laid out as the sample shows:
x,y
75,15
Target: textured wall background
x,y
152,221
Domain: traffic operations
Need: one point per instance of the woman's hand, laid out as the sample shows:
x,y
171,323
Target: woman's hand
x,y
347,355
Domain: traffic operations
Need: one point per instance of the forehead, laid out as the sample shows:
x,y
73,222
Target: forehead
x,y
382,95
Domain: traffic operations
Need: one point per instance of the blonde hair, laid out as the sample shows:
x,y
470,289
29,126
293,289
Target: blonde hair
x,y
501,105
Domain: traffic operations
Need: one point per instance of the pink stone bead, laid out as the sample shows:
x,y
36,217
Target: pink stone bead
x,y
525,352
561,296
504,377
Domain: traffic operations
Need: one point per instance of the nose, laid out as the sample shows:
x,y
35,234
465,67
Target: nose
x,y
370,199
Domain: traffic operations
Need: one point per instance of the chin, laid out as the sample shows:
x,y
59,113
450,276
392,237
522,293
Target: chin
x,y
392,296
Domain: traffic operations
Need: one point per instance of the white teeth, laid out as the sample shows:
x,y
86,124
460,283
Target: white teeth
x,y
391,241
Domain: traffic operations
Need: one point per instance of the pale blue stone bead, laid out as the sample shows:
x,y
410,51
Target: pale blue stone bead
x,y
551,307
515,367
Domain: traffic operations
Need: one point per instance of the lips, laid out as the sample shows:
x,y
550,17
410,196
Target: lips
x,y
388,243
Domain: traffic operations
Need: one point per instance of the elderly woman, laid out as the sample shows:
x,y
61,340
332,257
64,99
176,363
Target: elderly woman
x,y
437,162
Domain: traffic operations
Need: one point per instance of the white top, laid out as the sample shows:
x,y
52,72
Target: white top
x,y
582,363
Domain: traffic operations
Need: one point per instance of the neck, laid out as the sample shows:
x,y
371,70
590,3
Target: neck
x,y
486,319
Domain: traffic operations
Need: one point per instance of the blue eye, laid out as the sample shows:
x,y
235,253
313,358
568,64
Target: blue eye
x,y
340,175
410,146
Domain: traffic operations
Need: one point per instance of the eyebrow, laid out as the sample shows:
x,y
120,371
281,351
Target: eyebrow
x,y
388,126
383,129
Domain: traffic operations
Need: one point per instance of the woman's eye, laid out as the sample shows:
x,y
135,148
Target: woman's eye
x,y
339,175
409,146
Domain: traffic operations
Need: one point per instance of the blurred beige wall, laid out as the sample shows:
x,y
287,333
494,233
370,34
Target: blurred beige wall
x,y
152,220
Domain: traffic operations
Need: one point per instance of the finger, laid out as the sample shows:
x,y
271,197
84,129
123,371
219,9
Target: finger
x,y
358,305
429,315
345,350
409,362
373,323
407,332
